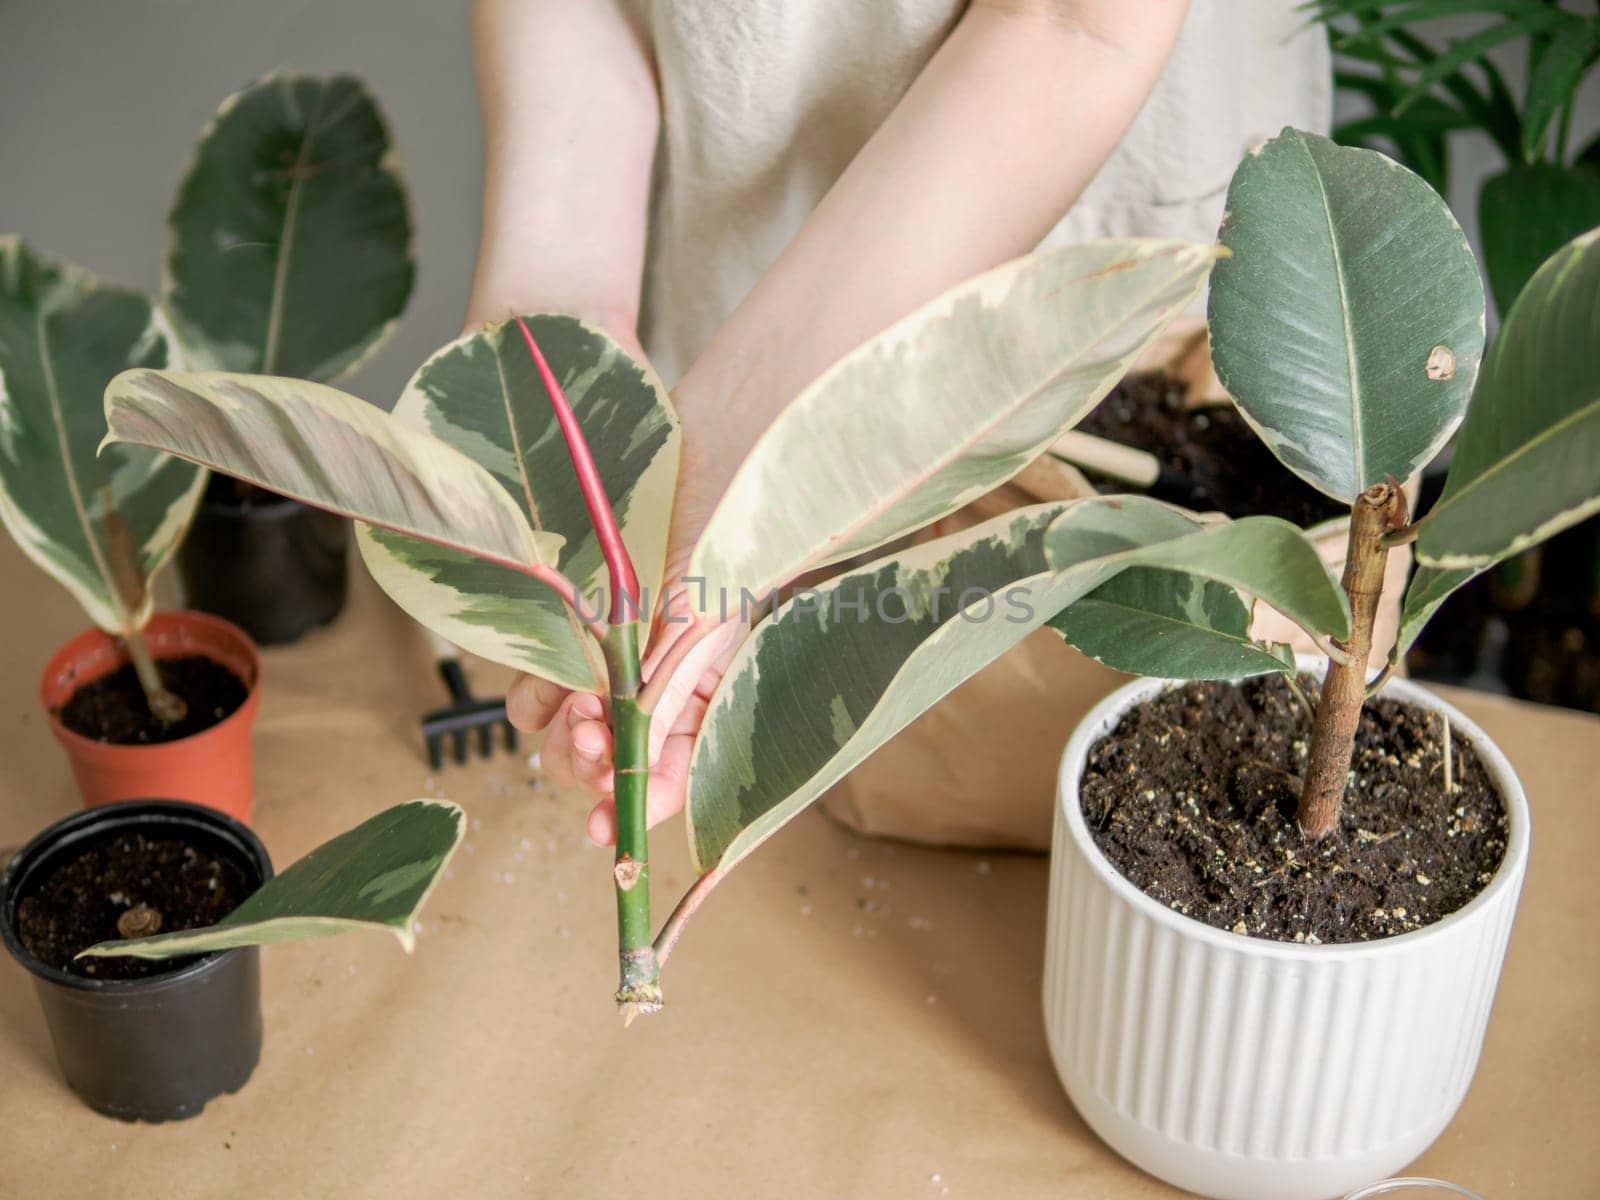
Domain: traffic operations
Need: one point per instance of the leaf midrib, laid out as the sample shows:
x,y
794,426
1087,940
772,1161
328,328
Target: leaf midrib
x,y
1359,457
280,273
63,444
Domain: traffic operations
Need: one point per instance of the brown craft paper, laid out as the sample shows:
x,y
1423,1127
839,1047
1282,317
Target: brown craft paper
x,y
979,768
846,1017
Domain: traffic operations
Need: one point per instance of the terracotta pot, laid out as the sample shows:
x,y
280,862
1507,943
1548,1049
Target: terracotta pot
x,y
1247,1069
213,767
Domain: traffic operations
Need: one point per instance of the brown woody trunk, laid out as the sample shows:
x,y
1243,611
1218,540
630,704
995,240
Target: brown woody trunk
x,y
1377,511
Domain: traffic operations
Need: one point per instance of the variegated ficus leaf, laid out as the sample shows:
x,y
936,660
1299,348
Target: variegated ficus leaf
x,y
63,335
943,406
838,670
289,246
1181,615
330,449
1349,322
482,395
375,876
1527,463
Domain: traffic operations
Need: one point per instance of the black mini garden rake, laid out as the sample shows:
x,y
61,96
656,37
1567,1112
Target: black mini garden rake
x,y
465,716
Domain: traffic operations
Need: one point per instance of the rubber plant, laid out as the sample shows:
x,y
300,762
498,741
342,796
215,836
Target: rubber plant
x,y
289,251
1423,89
100,526
1348,325
527,474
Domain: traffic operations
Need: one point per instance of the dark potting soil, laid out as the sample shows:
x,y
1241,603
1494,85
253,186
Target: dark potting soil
x,y
1192,798
1219,463
80,902
113,708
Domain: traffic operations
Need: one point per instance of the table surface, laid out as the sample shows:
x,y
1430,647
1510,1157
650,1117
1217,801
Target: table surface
x,y
846,1017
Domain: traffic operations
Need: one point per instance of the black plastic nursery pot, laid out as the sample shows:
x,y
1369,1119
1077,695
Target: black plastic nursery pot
x,y
155,1048
273,566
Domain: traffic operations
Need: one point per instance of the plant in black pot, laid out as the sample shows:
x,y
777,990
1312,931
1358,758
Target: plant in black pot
x,y
139,921
289,253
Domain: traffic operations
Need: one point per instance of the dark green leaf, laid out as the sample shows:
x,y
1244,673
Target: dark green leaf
x,y
1475,49
1526,214
1527,464
1347,274
1553,80
1170,624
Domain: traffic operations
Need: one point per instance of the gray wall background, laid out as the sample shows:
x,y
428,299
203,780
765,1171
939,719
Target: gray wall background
x,y
101,102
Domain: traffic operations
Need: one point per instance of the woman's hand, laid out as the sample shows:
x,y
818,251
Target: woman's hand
x,y
577,747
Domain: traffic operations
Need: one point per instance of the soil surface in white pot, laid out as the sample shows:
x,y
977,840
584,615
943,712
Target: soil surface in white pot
x,y
1215,460
1192,798
82,901
113,708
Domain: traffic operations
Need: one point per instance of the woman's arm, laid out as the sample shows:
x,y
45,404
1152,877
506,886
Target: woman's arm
x,y
570,117
1000,133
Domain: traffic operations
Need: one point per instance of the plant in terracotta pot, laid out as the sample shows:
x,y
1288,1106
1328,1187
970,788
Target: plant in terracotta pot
x,y
138,922
143,704
1277,923
516,502
288,253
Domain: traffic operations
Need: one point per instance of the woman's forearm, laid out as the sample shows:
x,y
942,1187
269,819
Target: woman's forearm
x,y
1000,133
570,117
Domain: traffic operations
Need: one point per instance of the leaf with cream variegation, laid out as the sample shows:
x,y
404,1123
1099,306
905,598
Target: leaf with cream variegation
x,y
290,237
482,395
375,876
63,335
840,669
320,445
941,407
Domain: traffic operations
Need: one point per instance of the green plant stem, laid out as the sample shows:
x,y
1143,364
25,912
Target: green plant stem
x,y
640,988
165,706
1377,511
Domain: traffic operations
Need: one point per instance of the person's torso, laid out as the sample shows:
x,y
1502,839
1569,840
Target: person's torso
x,y
765,102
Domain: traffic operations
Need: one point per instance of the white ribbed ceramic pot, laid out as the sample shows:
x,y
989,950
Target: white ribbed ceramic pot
x,y
1245,1069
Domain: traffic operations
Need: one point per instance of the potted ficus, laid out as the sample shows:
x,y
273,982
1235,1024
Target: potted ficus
x,y
138,922
288,253
1276,924
144,705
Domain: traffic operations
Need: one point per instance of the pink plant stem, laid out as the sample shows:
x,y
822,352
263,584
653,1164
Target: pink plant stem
x,y
692,899
656,685
624,582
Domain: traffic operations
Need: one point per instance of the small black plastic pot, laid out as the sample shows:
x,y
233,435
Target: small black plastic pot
x,y
271,565
156,1048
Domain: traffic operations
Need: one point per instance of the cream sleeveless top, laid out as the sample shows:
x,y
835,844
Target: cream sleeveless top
x,y
765,102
